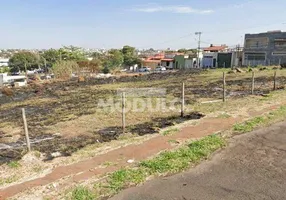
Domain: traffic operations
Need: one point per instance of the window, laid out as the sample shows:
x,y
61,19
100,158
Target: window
x,y
255,43
279,53
280,43
255,56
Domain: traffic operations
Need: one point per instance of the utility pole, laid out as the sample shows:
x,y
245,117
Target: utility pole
x,y
199,48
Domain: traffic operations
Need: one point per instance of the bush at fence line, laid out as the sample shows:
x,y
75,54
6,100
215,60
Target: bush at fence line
x,y
4,70
283,66
64,69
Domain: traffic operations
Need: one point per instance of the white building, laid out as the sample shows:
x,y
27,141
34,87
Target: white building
x,y
4,62
17,80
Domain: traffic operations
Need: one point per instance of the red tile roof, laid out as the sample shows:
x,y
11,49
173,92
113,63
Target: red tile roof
x,y
167,59
215,48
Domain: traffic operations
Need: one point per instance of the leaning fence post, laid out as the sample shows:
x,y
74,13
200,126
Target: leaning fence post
x,y
224,93
274,84
123,112
252,85
26,129
183,100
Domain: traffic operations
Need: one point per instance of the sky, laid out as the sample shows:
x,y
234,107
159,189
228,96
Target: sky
x,y
144,24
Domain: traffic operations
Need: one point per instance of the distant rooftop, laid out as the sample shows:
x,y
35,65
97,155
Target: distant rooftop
x,y
215,48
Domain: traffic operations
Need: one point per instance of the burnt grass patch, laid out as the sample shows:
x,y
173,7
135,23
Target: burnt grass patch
x,y
67,146
71,100
152,127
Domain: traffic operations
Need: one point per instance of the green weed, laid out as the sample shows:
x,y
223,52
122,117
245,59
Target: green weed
x,y
82,193
126,177
170,131
177,161
14,164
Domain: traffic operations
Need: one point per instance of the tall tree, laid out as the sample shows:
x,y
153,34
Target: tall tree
x,y
115,58
51,56
130,56
72,53
19,60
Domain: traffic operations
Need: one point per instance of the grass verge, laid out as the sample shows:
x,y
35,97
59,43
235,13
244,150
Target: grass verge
x,y
260,121
82,193
165,163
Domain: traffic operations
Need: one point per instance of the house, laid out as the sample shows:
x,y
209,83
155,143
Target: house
x,y
267,48
153,61
168,63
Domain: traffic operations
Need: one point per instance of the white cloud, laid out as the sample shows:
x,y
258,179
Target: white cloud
x,y
172,9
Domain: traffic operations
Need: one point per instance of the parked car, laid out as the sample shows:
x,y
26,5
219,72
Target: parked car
x,y
160,69
145,69
15,73
169,68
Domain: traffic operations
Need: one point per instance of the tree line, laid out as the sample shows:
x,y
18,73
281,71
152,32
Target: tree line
x,y
74,58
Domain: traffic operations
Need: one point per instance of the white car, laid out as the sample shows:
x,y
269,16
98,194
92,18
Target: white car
x,y
144,69
160,68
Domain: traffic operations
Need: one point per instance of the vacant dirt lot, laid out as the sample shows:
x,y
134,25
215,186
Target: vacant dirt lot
x,y
63,116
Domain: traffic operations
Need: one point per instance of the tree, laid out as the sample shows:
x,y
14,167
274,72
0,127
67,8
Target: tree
x,y
115,58
130,57
51,56
97,55
182,50
19,60
72,53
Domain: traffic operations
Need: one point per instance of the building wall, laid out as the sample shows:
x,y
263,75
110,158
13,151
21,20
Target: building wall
x,y
179,61
224,60
189,63
152,64
265,48
209,59
4,62
167,64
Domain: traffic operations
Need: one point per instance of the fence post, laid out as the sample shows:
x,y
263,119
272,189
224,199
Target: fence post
x,y
224,93
123,112
183,100
252,85
26,129
274,84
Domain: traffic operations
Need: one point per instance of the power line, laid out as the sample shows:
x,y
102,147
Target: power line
x,y
207,32
168,41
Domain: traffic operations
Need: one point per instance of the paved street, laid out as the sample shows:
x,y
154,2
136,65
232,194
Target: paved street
x,y
253,166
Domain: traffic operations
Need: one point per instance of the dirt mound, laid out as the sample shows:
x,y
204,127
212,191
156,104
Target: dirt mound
x,y
31,158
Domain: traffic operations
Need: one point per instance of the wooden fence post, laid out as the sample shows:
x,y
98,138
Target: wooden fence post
x,y
274,84
123,112
26,129
224,92
183,100
252,85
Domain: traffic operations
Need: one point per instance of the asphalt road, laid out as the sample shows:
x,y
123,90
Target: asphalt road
x,y
253,166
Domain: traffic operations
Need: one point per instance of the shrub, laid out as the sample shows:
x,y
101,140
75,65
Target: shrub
x,y
64,69
105,70
4,69
283,65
